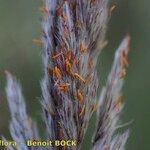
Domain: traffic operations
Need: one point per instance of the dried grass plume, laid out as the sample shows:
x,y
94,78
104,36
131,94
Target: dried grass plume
x,y
73,35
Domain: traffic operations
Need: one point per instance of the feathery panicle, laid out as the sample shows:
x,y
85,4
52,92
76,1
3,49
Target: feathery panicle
x,y
111,103
22,128
73,36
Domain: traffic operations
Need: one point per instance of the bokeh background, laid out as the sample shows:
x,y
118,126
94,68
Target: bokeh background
x,y
20,23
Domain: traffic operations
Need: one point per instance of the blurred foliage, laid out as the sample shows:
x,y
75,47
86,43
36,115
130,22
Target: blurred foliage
x,y
20,23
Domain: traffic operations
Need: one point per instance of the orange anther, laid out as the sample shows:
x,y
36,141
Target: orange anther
x,y
112,9
78,77
57,73
57,55
82,111
118,102
70,55
124,59
68,66
37,41
64,87
80,96
50,71
83,47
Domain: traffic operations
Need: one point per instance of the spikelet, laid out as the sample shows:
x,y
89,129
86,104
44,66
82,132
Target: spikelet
x,y
72,38
22,128
111,104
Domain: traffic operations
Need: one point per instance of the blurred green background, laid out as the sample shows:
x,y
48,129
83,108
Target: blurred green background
x,y
20,23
